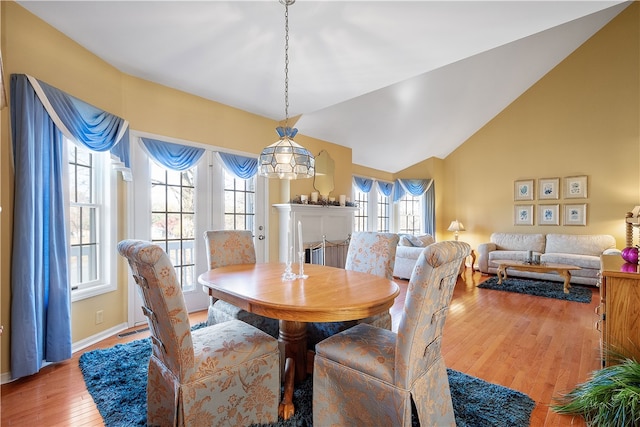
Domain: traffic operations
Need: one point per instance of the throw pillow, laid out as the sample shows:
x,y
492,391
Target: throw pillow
x,y
426,239
415,241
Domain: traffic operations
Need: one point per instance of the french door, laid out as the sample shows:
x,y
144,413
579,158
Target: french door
x,y
174,209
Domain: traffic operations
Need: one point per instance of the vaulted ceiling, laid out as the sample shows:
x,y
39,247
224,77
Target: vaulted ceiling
x,y
370,75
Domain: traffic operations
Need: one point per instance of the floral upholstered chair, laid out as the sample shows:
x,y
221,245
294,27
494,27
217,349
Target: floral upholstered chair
x,y
369,376
230,247
225,374
369,252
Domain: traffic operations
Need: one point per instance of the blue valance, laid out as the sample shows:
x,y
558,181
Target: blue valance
x,y
415,187
363,184
385,188
172,156
240,166
85,124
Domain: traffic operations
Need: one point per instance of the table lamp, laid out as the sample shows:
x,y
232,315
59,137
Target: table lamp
x,y
456,226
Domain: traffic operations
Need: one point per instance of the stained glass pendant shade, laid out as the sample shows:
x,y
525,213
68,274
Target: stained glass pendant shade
x,y
285,158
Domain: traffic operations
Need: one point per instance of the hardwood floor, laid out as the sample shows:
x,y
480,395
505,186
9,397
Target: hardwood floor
x,y
538,346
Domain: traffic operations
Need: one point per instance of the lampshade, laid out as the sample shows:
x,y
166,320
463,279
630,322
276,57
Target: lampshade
x,y
285,158
456,226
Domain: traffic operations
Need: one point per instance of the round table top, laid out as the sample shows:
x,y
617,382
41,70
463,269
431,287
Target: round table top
x,y
329,294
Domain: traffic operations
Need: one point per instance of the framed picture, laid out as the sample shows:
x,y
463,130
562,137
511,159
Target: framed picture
x,y
523,190
575,214
548,214
548,188
523,215
575,187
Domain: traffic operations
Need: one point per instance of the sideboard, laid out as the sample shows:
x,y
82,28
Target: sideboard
x,y
619,309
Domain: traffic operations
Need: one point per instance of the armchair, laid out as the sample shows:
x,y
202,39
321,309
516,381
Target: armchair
x,y
369,376
228,373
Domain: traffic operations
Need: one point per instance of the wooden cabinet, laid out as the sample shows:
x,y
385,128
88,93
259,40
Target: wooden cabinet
x,y
619,309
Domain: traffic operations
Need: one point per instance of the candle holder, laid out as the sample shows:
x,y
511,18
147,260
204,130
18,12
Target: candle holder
x,y
288,274
301,274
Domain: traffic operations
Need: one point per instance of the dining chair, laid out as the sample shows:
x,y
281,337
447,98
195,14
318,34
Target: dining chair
x,y
368,252
230,247
228,373
370,376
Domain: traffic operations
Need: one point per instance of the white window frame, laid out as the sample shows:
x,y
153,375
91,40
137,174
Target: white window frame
x,y
106,217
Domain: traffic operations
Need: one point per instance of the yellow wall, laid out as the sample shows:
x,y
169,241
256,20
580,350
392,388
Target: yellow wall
x,y
30,46
582,118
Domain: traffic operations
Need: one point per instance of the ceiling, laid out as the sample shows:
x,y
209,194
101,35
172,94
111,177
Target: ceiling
x,y
370,75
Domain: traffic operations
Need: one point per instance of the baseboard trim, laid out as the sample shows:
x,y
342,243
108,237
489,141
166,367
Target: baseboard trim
x,y
5,377
82,344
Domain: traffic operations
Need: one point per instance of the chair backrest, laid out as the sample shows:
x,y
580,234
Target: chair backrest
x,y
229,247
426,305
164,305
373,253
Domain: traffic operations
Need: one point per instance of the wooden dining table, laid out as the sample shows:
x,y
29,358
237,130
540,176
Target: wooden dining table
x,y
328,294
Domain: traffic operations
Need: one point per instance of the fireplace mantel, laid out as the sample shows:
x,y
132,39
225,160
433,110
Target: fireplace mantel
x,y
333,223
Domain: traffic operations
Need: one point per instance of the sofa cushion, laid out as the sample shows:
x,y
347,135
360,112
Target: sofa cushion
x,y
593,245
582,261
519,242
416,241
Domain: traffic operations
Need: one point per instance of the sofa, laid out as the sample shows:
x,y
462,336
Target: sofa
x,y
407,252
582,251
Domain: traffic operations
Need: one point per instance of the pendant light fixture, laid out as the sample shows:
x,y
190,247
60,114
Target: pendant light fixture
x,y
286,159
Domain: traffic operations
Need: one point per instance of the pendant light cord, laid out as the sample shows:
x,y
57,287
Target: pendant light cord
x,y
286,63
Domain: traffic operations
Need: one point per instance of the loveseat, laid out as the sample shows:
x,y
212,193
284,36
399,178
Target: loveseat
x,y
409,248
583,251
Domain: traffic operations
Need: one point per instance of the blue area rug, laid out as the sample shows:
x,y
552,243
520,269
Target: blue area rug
x,y
116,378
540,288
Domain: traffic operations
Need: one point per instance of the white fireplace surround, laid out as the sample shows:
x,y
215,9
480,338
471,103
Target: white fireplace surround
x,y
333,223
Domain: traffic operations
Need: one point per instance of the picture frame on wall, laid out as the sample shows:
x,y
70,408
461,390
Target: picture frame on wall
x,y
548,214
548,188
523,215
523,189
575,214
575,187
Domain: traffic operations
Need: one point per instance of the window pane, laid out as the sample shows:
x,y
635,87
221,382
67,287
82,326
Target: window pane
x,y
239,203
158,199
173,220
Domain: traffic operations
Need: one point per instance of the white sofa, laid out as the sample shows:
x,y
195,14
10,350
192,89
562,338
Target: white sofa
x,y
409,248
583,251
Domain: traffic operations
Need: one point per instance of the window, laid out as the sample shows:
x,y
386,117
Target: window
x,y
383,213
91,222
410,214
361,216
173,219
239,202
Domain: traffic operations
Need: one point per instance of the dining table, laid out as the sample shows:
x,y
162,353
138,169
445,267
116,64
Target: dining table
x,y
325,294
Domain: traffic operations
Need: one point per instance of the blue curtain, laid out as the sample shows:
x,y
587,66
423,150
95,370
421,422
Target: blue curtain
x,y
240,166
363,184
385,188
172,156
83,123
418,187
40,293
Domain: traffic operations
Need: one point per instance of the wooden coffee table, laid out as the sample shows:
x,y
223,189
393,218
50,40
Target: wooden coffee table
x,y
563,270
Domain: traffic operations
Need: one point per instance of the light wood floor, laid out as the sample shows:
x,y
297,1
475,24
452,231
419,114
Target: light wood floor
x,y
535,345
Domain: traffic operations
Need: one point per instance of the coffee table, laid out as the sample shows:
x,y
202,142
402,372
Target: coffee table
x,y
563,270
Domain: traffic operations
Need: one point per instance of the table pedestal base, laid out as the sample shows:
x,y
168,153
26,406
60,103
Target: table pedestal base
x,y
294,337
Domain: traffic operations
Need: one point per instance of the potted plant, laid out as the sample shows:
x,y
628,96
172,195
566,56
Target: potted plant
x,y
611,396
